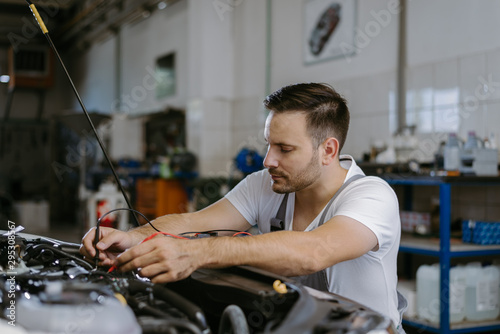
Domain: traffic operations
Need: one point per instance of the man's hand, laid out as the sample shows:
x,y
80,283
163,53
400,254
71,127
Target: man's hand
x,y
111,243
162,259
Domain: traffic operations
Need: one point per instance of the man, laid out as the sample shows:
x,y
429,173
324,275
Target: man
x,y
348,246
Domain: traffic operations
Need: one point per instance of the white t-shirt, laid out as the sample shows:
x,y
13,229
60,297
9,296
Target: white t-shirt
x,y
370,279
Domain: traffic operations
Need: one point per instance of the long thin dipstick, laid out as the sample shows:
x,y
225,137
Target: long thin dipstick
x,y
46,33
96,240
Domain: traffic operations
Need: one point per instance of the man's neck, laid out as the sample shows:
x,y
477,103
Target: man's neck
x,y
309,202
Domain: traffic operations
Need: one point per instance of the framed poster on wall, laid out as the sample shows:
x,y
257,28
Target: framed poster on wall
x,y
329,29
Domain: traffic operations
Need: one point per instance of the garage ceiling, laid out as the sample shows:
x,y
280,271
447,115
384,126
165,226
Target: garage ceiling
x,y
71,23
17,23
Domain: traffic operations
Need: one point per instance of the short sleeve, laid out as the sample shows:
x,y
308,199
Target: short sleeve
x,y
372,202
245,196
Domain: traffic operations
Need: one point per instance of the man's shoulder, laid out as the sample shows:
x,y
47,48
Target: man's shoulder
x,y
257,182
260,174
373,183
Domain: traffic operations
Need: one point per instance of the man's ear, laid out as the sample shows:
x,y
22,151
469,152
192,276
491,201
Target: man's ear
x,y
330,150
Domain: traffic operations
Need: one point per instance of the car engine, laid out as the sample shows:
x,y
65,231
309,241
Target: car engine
x,y
47,287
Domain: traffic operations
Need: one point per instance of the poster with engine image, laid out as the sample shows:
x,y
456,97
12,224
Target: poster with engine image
x,y
329,29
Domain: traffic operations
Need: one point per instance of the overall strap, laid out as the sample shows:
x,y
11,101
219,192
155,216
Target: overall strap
x,y
319,280
346,183
278,223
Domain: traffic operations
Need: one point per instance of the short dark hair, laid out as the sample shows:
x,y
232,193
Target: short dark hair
x,y
326,110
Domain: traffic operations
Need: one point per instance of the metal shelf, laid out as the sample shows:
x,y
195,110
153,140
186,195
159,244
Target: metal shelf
x,y
458,328
428,246
443,247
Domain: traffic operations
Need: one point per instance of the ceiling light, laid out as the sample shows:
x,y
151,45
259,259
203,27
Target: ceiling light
x,y
4,78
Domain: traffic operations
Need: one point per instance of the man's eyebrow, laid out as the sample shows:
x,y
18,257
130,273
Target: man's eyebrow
x,y
283,144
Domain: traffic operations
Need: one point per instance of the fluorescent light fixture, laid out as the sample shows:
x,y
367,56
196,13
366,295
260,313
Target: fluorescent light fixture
x,y
4,78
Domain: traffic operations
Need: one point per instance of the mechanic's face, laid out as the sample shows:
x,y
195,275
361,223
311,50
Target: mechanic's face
x,y
291,160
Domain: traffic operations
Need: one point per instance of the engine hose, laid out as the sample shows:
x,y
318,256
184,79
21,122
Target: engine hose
x,y
57,251
233,321
192,311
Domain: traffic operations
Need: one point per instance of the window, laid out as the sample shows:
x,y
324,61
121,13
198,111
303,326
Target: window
x,y
165,69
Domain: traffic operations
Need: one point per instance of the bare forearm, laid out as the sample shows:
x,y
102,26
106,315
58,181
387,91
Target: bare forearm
x,y
286,253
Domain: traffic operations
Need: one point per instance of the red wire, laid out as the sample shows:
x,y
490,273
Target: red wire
x,y
164,233
171,235
244,233
149,238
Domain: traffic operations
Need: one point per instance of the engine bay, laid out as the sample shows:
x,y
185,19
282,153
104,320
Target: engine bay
x,y
47,287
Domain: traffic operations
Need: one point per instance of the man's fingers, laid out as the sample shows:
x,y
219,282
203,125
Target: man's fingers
x,y
153,270
87,246
107,240
111,242
163,278
137,257
85,252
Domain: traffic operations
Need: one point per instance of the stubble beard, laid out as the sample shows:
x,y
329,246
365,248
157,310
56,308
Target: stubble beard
x,y
303,179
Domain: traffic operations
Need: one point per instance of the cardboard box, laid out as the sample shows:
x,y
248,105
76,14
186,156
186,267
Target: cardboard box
x,y
410,220
481,233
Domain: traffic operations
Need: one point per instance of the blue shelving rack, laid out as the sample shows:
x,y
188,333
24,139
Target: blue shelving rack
x,y
444,251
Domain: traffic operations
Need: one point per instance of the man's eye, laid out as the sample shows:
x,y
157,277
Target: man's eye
x,y
284,150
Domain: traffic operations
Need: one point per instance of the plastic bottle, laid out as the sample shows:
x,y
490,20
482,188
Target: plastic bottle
x,y
493,140
472,141
429,294
428,304
457,293
481,294
451,153
496,264
164,170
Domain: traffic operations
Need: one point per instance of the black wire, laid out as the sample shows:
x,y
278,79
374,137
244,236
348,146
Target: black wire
x,y
128,209
62,253
208,231
97,234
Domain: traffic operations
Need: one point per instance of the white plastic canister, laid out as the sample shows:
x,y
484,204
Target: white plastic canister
x,y
482,292
457,293
429,294
428,304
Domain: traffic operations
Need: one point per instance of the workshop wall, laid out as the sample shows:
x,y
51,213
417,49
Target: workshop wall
x,y
451,49
143,43
134,51
223,74
94,74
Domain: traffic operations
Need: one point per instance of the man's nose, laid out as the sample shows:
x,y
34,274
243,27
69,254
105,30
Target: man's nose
x,y
270,160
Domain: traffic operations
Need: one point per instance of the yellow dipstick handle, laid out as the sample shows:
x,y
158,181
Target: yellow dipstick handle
x,y
279,287
38,19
